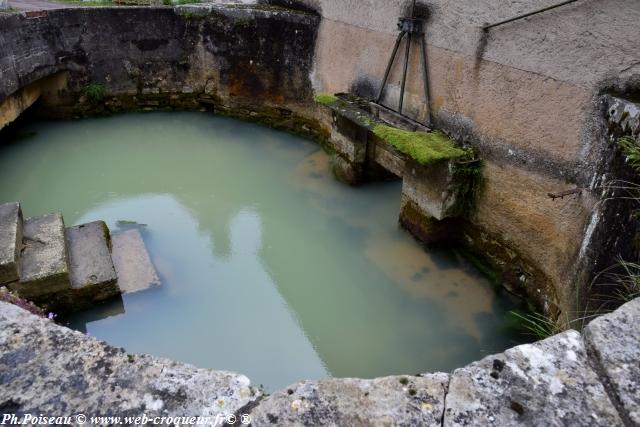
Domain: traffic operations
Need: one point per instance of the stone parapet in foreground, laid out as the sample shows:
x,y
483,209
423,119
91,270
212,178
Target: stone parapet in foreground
x,y
566,380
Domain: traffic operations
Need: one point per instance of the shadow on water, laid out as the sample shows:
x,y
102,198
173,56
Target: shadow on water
x,y
269,266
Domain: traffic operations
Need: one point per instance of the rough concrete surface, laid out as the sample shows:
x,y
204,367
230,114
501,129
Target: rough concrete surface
x,y
49,369
10,241
614,341
548,383
398,401
132,263
44,264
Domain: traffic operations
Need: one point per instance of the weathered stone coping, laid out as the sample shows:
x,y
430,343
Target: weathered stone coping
x,y
569,379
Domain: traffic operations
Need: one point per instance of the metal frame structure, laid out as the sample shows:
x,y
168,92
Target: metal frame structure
x,y
410,28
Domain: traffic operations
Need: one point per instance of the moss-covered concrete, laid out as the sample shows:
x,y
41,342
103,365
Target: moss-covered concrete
x,y
424,147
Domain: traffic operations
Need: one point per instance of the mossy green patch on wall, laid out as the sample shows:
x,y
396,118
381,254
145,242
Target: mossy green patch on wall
x,y
324,99
467,179
94,92
424,147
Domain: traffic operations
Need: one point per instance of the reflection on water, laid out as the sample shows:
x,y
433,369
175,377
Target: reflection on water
x,y
269,266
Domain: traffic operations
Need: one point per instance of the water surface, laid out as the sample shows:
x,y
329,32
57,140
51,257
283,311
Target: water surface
x,y
269,266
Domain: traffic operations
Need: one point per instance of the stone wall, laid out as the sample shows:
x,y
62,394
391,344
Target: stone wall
x,y
197,57
569,379
527,96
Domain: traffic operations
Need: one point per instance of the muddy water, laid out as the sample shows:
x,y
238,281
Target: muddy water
x,y
269,266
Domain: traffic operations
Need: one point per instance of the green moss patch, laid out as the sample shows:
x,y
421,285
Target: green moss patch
x,y
424,147
326,99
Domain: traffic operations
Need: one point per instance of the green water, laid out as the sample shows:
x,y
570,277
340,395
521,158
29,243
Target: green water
x,y
269,266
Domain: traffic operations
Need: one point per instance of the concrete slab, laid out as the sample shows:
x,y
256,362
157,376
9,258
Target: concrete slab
x,y
614,342
10,241
92,274
44,264
132,263
549,383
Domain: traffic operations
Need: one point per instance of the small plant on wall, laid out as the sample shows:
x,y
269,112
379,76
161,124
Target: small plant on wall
x,y
94,92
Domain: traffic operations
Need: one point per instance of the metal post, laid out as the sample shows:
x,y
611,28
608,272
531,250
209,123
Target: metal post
x,y
407,52
425,76
487,27
390,65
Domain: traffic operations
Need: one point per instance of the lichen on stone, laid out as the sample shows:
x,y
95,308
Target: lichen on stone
x,y
424,147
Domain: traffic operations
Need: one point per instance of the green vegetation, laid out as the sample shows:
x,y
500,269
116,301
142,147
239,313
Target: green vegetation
x,y
325,99
535,324
467,176
631,149
191,15
424,147
179,2
94,92
618,284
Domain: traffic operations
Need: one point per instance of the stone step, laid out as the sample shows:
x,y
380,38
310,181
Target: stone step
x,y
93,277
10,241
132,262
44,263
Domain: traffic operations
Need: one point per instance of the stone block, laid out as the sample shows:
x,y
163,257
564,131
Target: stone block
x,y
423,226
132,262
44,264
613,341
432,188
93,277
10,241
549,383
49,369
400,401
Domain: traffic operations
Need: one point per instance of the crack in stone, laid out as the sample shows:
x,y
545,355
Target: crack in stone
x,y
596,364
444,398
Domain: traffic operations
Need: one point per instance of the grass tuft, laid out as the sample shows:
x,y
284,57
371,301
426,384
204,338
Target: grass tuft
x,y
631,149
94,92
535,324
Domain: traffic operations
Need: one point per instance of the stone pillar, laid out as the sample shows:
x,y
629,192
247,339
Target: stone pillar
x,y
349,140
429,199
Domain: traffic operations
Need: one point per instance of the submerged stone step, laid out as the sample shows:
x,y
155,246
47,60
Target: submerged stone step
x,y
10,241
132,263
93,277
44,263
